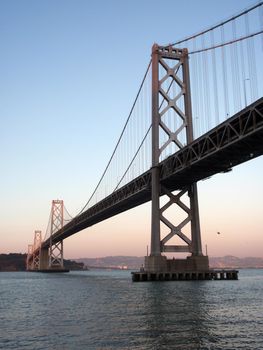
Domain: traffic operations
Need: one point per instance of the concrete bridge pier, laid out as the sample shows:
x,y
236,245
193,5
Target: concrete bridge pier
x,y
44,262
52,260
44,259
162,264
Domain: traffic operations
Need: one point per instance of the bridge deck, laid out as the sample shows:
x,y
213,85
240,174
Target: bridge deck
x,y
237,140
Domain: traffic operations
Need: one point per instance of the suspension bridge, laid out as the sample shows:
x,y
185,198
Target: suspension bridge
x,y
198,112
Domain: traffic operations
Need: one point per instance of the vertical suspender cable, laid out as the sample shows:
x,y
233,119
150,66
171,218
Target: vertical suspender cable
x,y
194,91
214,69
251,62
260,14
234,71
207,88
224,66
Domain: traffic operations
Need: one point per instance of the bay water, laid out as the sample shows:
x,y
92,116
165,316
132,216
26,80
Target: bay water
x,y
103,309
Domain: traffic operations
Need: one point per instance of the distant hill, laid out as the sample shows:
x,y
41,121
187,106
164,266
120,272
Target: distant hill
x,y
131,262
230,261
135,262
12,262
17,262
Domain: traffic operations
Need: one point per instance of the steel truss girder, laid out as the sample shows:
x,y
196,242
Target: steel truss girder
x,y
137,191
191,164
239,127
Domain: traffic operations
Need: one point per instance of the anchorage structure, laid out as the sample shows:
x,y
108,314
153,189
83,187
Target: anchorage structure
x,y
171,98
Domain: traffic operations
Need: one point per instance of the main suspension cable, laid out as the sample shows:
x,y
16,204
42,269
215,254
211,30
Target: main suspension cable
x,y
227,42
135,155
118,142
217,25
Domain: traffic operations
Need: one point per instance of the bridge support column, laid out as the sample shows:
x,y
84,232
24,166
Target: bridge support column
x,y
48,258
195,222
36,250
44,259
155,222
29,259
171,100
56,247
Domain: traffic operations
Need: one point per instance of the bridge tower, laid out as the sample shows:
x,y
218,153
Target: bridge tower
x,y
29,261
37,249
47,256
174,65
56,248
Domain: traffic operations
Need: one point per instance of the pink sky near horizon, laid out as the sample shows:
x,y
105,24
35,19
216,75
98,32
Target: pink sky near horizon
x,y
225,205
227,210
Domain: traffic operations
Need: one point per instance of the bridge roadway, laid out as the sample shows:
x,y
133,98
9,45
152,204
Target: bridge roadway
x,y
235,141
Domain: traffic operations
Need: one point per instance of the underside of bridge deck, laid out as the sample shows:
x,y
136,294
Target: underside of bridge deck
x,y
233,142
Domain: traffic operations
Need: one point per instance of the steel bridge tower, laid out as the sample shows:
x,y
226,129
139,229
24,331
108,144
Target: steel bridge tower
x,y
56,248
36,249
48,257
174,65
29,260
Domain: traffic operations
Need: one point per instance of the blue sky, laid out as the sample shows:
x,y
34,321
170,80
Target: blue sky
x,y
69,72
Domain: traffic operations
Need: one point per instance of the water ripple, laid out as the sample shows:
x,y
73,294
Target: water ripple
x,y
105,310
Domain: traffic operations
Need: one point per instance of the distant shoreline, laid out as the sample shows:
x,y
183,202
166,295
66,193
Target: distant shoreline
x,y
14,262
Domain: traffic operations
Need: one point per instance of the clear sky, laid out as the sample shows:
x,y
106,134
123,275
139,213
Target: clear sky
x,y
69,72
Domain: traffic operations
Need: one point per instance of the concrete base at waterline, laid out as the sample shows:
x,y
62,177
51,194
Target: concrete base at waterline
x,y
162,264
143,276
159,268
50,270
54,270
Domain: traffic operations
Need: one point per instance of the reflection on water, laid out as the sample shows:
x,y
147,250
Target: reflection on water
x,y
178,315
105,310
